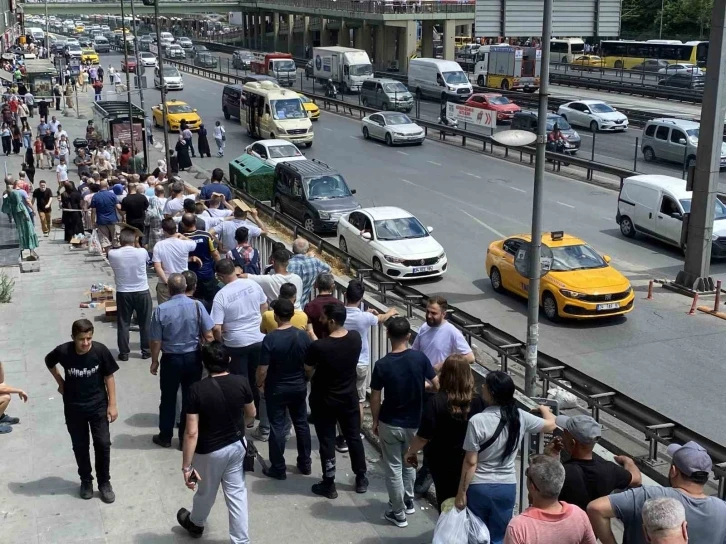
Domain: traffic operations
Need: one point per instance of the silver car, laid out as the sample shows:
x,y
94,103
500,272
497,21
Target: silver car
x,y
393,128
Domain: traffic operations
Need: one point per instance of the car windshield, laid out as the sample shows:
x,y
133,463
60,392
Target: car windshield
x,y
720,208
284,65
693,133
455,78
396,87
327,186
283,151
147,56
288,108
305,99
180,108
361,70
402,228
580,257
600,107
561,124
398,119
498,100
170,71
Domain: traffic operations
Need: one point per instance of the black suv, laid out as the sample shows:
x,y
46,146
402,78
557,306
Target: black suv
x,y
231,96
312,193
242,60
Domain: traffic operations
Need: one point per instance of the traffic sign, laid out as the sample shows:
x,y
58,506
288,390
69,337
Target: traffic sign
x,y
521,259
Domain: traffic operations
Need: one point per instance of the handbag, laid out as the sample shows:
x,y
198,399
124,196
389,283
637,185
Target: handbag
x,y
248,463
493,437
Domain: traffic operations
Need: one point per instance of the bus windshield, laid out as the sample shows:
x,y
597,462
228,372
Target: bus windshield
x,y
288,108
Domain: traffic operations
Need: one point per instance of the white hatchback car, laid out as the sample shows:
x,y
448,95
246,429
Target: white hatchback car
x,y
274,151
594,114
393,241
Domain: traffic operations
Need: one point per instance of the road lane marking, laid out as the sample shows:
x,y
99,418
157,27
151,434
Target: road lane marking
x,y
436,163
516,189
472,175
401,152
353,136
328,129
483,224
565,205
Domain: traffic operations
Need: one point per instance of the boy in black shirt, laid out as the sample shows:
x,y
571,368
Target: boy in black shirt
x,y
89,401
334,397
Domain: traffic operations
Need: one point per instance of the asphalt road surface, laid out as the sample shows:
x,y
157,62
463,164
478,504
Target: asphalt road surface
x,y
663,358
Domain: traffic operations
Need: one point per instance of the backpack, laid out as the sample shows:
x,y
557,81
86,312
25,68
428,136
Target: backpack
x,y
248,260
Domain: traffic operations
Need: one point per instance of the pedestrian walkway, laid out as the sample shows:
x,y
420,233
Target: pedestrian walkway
x,y
39,500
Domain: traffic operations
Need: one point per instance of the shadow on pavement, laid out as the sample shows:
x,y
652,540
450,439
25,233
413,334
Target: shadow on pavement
x,y
50,485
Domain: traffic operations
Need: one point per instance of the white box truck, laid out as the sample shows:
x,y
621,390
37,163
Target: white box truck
x,y
347,67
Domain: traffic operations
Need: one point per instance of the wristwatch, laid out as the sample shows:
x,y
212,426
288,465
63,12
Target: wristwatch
x,y
187,469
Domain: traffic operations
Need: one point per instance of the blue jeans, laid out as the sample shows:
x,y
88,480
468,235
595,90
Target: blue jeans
x,y
176,369
494,505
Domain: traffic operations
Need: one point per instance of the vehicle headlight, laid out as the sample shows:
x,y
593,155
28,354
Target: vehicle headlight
x,y
714,237
442,256
324,215
392,259
282,131
571,294
575,134
450,88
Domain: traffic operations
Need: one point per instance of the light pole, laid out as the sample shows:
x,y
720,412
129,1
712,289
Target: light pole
x,y
128,84
159,62
662,6
138,67
47,29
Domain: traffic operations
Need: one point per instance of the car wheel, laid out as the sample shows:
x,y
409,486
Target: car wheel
x,y
226,113
549,305
384,106
480,81
627,228
309,223
389,140
156,124
343,88
272,136
594,126
618,64
495,277
364,101
648,154
308,144
505,85
377,266
343,245
168,127
691,161
278,206
365,133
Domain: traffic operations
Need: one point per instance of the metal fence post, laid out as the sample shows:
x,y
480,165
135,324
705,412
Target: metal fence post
x,y
635,156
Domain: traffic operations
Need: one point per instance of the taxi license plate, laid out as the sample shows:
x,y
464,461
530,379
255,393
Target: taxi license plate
x,y
610,306
417,269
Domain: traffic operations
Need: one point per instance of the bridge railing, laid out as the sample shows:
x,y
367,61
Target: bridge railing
x,y
371,6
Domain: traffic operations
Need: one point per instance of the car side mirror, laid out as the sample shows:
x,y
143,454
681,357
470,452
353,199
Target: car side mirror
x,y
606,258
585,111
682,141
677,215
430,229
195,111
353,191
366,235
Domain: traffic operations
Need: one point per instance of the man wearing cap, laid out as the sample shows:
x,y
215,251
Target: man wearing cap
x,y
688,475
588,477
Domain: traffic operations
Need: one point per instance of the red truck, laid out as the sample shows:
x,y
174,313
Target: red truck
x,y
277,65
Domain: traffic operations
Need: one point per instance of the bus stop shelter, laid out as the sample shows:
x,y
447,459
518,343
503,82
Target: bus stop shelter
x,y
111,118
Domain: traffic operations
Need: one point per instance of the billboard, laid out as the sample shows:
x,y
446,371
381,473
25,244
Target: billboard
x,y
472,116
570,18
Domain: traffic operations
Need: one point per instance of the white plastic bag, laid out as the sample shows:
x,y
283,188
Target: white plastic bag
x,y
564,398
94,244
477,529
452,526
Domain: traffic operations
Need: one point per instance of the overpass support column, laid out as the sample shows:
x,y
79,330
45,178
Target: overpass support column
x,y
307,38
448,39
343,34
427,39
255,30
406,45
324,33
275,31
290,32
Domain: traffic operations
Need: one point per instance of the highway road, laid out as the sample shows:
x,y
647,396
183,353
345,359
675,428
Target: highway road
x,y
657,354
617,149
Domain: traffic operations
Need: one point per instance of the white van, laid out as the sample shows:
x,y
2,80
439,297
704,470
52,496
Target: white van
x,y
37,33
166,36
438,79
655,205
269,111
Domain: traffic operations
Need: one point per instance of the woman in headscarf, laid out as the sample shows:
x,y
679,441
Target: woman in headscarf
x,y
29,164
203,143
160,168
71,204
15,208
182,152
153,218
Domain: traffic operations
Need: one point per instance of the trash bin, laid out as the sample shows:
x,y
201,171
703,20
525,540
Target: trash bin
x,y
252,176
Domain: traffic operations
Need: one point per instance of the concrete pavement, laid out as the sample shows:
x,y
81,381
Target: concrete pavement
x,y
38,493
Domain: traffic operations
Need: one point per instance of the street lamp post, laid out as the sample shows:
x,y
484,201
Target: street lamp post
x,y
139,70
155,3
128,85
662,5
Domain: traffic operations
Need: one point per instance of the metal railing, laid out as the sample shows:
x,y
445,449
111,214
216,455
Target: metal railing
x,y
369,6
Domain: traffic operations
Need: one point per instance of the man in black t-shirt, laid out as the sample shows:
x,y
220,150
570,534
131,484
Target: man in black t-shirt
x,y
334,398
281,375
588,477
218,408
89,401
134,207
42,197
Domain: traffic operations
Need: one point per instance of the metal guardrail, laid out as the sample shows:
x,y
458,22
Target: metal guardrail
x,y
369,6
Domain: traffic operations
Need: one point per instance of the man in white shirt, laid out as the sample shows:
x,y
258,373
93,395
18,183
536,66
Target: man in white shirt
x,y
237,314
225,231
59,133
61,170
54,125
175,204
171,256
132,292
437,339
271,283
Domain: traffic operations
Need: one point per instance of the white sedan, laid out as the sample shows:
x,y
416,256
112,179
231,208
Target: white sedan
x,y
393,128
594,114
681,68
393,241
147,59
274,151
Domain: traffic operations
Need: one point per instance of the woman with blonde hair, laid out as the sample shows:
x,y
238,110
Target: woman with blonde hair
x,y
443,426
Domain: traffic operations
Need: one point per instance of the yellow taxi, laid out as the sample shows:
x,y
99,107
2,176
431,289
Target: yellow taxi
x,y
581,284
176,111
588,62
310,107
89,55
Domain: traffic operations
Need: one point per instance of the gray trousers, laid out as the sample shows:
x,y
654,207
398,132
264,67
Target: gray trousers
x,y
222,466
399,477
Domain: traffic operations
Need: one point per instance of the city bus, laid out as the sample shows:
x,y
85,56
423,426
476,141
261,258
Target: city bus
x,y
565,50
626,54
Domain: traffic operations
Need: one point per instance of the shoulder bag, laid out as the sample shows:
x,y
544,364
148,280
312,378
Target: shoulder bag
x,y
248,463
493,437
